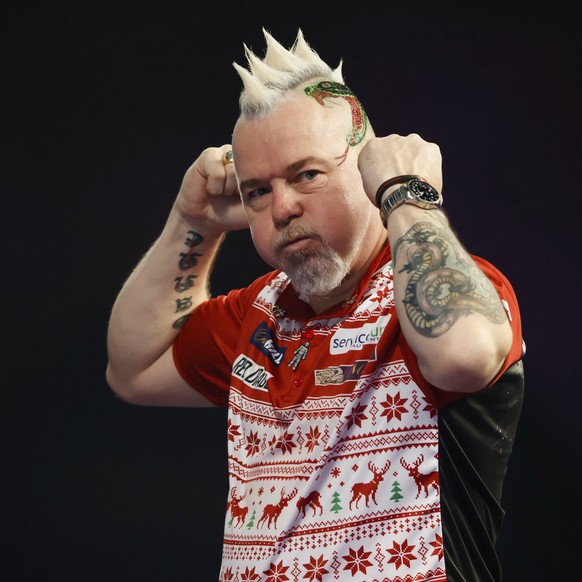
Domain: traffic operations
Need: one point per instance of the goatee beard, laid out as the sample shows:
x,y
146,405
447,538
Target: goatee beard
x,y
312,271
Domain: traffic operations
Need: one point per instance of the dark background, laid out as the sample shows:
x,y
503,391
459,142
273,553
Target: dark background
x,y
105,105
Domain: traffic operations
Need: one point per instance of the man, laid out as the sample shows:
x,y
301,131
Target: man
x,y
373,379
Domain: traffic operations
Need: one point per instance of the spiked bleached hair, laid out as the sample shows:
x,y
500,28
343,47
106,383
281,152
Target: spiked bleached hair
x,y
267,82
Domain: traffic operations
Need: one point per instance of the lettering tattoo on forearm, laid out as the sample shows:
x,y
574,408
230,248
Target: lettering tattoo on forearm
x,y
194,239
181,322
188,260
183,303
443,284
183,283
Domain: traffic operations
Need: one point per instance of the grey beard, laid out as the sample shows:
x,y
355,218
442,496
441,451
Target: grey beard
x,y
315,272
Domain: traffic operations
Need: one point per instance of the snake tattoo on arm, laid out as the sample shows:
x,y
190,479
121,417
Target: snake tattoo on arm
x,y
443,286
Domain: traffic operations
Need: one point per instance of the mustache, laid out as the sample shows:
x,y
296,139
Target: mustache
x,y
294,232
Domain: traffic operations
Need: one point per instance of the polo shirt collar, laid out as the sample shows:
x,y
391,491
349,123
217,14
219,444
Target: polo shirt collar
x,y
289,305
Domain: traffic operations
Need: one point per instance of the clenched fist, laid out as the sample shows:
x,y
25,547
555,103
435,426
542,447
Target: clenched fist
x,y
209,192
383,158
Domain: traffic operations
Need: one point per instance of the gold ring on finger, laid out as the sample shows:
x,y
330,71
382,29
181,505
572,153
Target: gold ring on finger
x,y
227,157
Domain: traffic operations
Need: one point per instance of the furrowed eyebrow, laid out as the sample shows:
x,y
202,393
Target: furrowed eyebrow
x,y
290,169
296,166
252,184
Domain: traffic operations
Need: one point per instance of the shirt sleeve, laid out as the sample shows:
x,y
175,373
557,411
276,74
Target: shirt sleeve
x,y
206,347
509,301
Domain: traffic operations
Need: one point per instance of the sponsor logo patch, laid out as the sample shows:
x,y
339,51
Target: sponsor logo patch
x,y
251,373
349,339
263,339
340,374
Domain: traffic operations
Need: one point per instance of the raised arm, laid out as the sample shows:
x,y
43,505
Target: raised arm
x,y
449,311
169,282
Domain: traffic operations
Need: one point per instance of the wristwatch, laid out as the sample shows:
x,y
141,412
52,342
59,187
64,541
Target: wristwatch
x,y
414,191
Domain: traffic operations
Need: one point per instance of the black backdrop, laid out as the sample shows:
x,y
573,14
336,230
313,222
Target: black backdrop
x,y
105,105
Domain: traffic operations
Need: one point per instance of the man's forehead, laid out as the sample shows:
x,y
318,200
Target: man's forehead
x,y
301,124
299,132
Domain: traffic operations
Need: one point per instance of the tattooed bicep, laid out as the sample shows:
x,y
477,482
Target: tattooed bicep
x,y
444,283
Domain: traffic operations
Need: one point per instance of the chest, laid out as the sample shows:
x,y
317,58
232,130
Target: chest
x,y
281,361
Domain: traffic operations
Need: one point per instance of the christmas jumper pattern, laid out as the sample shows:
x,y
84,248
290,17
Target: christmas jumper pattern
x,y
333,449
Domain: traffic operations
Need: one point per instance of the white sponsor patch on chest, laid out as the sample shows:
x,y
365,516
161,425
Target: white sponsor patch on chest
x,y
346,340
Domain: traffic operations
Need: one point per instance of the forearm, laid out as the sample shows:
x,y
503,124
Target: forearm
x,y
156,300
449,311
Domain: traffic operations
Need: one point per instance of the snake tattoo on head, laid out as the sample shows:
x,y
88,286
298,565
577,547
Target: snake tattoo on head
x,y
442,288
331,90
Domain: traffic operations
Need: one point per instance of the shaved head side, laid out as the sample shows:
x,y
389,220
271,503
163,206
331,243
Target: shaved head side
x,y
329,90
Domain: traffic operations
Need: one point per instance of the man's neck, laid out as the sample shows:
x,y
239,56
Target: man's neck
x,y
320,303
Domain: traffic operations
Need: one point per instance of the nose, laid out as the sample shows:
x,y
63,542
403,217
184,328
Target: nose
x,y
285,204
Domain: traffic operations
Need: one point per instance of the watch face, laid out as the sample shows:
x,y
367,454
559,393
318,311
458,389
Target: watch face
x,y
423,191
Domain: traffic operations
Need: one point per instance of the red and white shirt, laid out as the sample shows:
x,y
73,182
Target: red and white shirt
x,y
333,444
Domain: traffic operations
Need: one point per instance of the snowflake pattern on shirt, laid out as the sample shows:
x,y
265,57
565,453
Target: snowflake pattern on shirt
x,y
333,461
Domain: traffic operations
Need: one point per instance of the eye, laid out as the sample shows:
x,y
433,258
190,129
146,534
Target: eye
x,y
307,176
257,193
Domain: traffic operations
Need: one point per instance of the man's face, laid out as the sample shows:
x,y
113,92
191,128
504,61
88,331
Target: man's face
x,y
303,193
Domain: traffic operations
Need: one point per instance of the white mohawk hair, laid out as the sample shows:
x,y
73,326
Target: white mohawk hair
x,y
267,82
